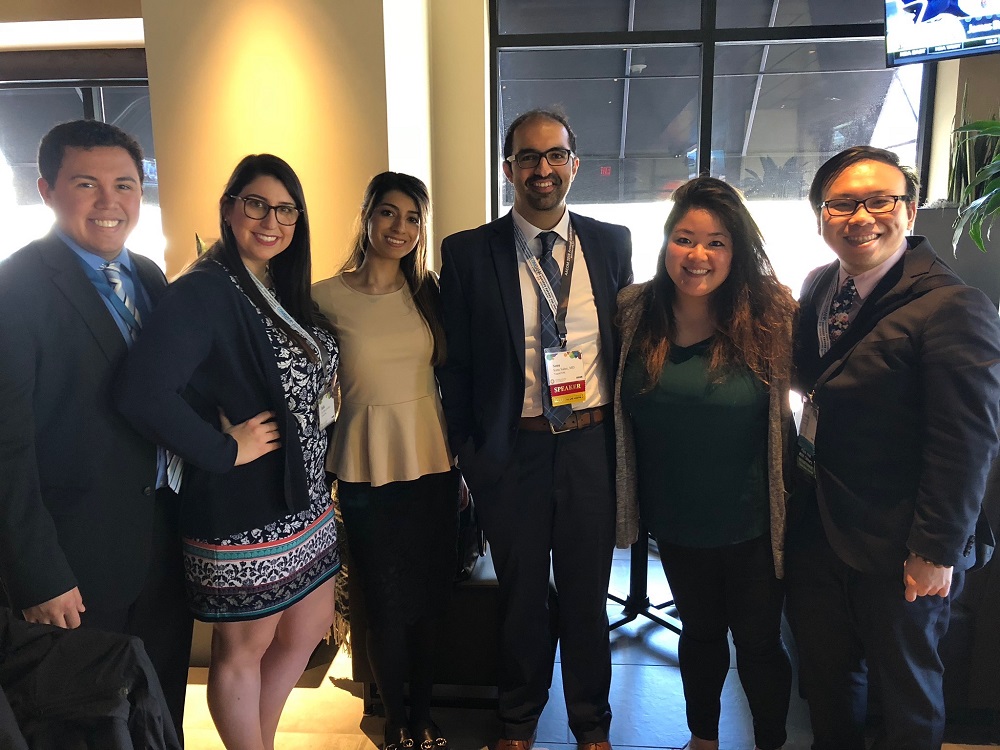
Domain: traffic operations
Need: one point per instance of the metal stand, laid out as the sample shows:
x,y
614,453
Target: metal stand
x,y
637,601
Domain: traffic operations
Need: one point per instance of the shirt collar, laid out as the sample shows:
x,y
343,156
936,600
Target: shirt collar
x,y
865,282
530,231
92,260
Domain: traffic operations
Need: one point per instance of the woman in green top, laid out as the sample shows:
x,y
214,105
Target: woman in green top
x,y
702,410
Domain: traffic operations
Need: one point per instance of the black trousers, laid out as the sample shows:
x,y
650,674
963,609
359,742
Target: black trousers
x,y
847,625
402,542
722,589
82,688
553,509
159,616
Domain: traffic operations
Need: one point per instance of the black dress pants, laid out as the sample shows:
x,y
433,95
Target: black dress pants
x,y
722,589
402,541
847,625
553,508
159,616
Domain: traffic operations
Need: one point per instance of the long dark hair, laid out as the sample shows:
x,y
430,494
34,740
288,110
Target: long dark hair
x,y
752,309
420,280
291,270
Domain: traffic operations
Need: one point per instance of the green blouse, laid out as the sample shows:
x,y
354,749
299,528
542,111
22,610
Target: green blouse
x,y
701,450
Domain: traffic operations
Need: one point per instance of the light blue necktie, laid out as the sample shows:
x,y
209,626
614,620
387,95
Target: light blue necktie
x,y
133,321
113,273
557,415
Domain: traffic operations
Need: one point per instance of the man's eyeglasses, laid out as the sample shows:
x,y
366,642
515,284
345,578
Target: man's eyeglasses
x,y
556,157
877,204
255,208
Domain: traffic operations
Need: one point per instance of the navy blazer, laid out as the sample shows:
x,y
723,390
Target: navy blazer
x,y
908,416
77,482
482,382
205,348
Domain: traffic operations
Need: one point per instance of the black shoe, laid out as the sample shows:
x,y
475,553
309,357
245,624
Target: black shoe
x,y
427,736
398,739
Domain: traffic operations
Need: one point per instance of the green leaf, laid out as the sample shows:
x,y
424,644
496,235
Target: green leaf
x,y
981,127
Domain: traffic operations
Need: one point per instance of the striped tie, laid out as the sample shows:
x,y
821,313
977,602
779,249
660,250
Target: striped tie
x,y
133,321
557,415
113,272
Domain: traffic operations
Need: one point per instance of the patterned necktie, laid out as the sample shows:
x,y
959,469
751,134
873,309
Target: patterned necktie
x,y
557,415
133,321
113,272
840,309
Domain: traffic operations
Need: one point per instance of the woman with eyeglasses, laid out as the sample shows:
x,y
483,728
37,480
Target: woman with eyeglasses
x,y
233,374
702,418
396,486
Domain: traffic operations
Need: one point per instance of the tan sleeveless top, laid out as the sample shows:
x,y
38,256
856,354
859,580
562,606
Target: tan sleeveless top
x,y
391,425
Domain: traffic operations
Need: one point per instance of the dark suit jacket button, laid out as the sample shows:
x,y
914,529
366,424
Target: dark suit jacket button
x,y
147,491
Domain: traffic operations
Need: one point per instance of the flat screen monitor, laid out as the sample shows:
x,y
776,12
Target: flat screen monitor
x,y
927,30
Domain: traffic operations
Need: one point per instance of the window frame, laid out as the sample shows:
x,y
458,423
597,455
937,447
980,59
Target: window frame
x,y
707,37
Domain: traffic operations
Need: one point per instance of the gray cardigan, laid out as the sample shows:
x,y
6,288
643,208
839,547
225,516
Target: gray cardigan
x,y
626,481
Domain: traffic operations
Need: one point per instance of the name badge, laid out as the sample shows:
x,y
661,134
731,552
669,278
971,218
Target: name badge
x,y
326,407
565,375
806,455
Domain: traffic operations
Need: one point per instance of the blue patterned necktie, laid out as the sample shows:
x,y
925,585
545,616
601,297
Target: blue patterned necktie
x,y
840,309
113,273
557,415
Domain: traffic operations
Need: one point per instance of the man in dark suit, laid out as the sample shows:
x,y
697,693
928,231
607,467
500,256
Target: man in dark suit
x,y
900,365
535,440
88,532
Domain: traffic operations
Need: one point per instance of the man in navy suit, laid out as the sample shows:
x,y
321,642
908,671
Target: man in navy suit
x,y
88,530
528,306
900,365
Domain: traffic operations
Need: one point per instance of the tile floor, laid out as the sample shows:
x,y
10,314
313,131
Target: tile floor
x,y
325,712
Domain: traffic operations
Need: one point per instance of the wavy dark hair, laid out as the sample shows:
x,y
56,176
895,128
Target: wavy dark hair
x,y
291,270
752,309
422,283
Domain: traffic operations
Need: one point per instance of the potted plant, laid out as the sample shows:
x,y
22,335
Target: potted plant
x,y
974,147
980,198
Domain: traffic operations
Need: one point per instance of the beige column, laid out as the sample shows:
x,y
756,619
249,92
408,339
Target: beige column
x,y
303,79
461,156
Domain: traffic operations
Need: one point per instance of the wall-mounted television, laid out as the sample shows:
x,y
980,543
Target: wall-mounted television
x,y
926,30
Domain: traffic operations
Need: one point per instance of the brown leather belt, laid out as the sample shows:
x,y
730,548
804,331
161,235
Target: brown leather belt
x,y
577,420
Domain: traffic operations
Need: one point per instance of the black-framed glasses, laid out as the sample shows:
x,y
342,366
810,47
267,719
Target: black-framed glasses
x,y
255,208
556,157
877,204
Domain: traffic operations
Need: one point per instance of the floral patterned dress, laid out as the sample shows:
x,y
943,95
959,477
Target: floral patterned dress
x,y
260,572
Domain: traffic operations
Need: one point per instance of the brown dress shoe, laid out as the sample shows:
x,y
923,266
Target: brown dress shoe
x,y
505,744
604,745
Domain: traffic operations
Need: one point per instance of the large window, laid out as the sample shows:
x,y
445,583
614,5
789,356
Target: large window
x,y
756,92
28,109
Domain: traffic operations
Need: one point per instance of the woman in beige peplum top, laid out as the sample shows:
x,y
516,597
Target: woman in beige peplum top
x,y
396,484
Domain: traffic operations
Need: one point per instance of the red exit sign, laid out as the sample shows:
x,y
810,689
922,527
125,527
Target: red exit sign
x,y
605,171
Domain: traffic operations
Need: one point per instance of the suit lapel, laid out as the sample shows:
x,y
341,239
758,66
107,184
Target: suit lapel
x,y
892,290
899,281
504,253
70,279
152,280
